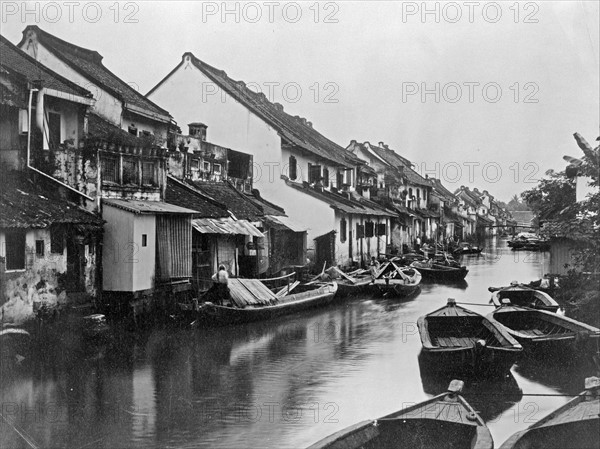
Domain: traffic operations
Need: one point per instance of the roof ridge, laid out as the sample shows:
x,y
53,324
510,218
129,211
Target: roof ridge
x,y
91,55
41,66
275,115
193,189
57,47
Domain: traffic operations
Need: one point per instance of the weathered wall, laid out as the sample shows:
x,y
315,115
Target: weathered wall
x,y
38,284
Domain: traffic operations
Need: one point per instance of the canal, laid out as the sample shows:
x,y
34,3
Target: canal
x,y
280,384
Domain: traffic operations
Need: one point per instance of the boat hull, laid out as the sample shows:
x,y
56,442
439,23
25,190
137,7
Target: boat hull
x,y
448,275
362,287
489,362
223,315
397,289
545,334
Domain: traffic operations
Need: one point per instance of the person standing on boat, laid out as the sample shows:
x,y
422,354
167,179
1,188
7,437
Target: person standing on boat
x,y
374,266
220,289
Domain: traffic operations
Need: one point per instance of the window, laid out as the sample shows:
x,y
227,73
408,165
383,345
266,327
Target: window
x,y
360,231
196,164
39,248
381,230
54,129
369,229
217,168
325,177
130,171
293,171
206,166
110,169
144,239
145,133
340,179
314,173
148,174
15,250
57,240
132,130
343,228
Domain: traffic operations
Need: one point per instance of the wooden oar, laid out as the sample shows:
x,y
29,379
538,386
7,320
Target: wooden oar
x,y
345,276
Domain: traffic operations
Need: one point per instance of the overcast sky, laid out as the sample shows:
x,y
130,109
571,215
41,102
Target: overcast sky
x,y
514,80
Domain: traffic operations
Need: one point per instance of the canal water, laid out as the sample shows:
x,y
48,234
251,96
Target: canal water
x,y
281,384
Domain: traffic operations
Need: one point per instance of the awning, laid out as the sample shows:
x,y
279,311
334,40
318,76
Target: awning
x,y
287,222
147,207
225,226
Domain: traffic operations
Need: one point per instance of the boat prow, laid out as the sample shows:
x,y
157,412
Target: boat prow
x,y
573,426
444,421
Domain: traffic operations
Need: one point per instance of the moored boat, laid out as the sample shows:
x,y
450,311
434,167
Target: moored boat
x,y
545,334
437,272
392,280
467,248
251,300
444,421
571,426
456,339
355,283
524,296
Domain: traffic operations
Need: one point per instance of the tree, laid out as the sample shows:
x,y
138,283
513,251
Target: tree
x,y
552,198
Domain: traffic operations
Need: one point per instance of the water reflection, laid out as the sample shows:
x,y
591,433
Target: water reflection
x,y
282,383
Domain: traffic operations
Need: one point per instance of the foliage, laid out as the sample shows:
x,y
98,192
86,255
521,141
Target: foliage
x,y
516,204
553,196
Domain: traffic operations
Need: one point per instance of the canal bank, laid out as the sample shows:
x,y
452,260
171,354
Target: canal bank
x,y
281,383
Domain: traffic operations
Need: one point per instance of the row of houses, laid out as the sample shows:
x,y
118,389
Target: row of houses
x,y
103,195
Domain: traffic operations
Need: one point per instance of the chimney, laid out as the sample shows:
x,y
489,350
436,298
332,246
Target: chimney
x,y
198,130
309,124
382,145
279,107
303,120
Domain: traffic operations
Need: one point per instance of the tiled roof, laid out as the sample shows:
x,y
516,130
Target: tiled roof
x,y
89,64
264,205
574,229
236,202
184,195
342,203
25,205
294,130
17,61
467,196
441,189
395,160
100,128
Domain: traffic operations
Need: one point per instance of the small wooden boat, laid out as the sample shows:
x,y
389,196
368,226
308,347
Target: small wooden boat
x,y
573,426
251,300
358,282
456,339
445,421
524,296
437,272
392,280
467,248
547,334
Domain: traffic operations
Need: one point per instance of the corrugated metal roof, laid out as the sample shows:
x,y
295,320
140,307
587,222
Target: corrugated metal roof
x,y
147,207
225,226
